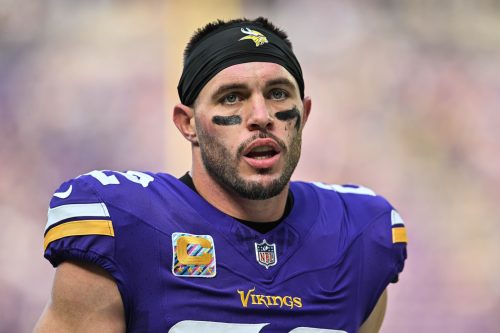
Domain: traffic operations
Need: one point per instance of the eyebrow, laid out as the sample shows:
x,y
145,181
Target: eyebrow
x,y
228,87
281,81
242,86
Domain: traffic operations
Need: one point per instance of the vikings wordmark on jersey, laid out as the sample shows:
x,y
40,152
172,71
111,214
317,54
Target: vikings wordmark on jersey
x,y
250,297
321,270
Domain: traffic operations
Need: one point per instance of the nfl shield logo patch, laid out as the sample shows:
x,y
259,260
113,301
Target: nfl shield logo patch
x,y
266,254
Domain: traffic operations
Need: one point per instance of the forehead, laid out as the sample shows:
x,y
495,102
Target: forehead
x,y
251,73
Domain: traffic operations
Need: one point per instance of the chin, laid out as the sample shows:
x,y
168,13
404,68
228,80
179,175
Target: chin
x,y
262,185
267,171
262,175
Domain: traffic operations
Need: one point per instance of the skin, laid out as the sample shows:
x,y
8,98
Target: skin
x,y
256,92
290,114
84,298
242,104
376,318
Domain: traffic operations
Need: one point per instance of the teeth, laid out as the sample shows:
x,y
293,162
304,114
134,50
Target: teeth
x,y
262,149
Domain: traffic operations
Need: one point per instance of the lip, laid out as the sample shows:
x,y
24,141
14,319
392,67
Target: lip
x,y
260,143
265,163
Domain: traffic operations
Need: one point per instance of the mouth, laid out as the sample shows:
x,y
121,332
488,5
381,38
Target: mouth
x,y
262,153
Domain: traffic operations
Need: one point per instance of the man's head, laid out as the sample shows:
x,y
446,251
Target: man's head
x,y
221,44
243,106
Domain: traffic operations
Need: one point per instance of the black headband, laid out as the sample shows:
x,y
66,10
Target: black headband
x,y
234,45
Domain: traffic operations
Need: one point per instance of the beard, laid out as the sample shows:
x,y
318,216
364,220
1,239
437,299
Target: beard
x,y
223,166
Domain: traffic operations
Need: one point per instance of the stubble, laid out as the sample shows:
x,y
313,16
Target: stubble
x,y
222,165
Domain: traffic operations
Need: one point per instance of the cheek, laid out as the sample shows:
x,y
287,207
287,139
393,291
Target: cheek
x,y
207,128
287,128
227,136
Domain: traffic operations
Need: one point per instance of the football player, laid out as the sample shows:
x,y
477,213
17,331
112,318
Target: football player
x,y
233,245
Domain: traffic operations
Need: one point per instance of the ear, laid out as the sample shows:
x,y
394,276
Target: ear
x,y
183,117
306,103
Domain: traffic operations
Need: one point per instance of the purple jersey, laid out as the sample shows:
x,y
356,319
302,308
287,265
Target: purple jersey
x,y
183,266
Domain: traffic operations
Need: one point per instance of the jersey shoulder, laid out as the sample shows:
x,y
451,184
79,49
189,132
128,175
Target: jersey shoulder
x,y
85,212
362,206
366,217
90,195
373,232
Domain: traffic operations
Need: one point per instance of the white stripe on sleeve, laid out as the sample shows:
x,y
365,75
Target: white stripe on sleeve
x,y
63,212
396,218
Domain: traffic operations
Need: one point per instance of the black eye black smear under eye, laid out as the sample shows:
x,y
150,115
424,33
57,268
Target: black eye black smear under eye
x,y
226,120
290,114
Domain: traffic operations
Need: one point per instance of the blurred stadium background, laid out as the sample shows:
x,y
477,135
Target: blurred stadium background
x,y
406,100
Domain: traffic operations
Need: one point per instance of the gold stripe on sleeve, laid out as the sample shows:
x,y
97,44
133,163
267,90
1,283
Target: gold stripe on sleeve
x,y
399,235
79,228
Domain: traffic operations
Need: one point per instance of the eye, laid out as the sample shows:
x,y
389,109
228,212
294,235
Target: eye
x,y
230,99
278,94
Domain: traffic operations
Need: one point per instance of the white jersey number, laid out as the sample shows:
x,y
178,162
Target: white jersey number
x,y
134,176
189,326
346,189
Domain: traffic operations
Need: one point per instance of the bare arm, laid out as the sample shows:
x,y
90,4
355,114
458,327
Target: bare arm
x,y
84,298
374,321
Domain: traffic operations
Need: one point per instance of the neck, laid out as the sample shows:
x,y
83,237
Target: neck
x,y
233,204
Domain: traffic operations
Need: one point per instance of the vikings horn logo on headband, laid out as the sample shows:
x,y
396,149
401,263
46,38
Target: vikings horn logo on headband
x,y
254,35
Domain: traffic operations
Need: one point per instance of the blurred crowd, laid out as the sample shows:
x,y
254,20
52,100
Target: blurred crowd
x,y
406,100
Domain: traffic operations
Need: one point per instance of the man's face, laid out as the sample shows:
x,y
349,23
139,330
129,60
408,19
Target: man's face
x,y
249,121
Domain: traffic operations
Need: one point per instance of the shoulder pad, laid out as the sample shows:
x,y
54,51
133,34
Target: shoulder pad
x,y
76,209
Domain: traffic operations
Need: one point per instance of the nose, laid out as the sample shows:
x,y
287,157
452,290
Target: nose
x,y
259,117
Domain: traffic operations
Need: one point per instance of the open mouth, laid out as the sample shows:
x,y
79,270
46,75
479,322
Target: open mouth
x,y
261,152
